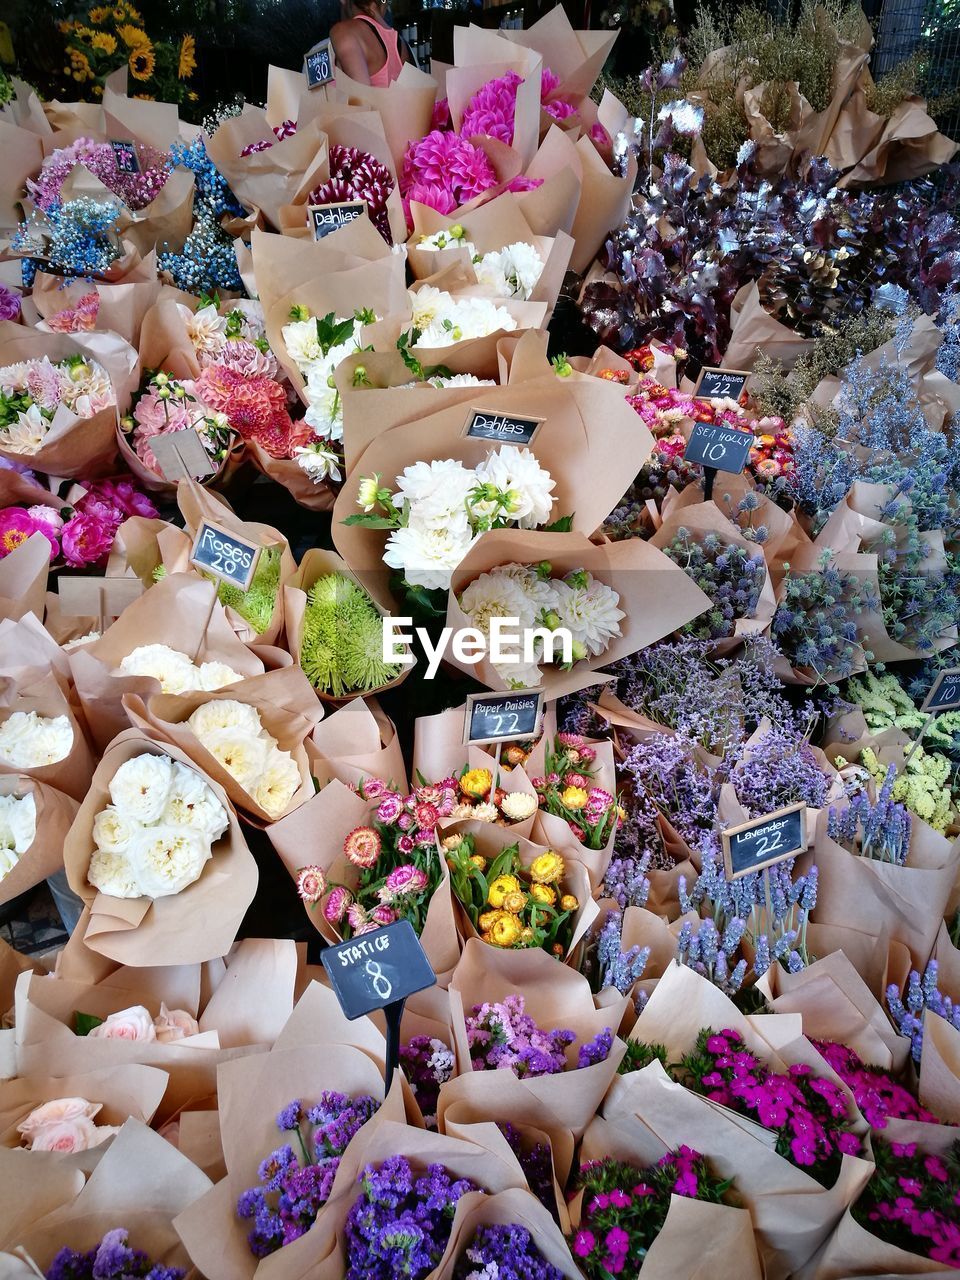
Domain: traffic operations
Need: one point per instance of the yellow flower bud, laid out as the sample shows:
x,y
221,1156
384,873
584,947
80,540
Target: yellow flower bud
x,y
505,930
544,893
569,902
515,902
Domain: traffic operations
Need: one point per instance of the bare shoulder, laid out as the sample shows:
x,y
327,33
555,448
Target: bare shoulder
x,y
345,32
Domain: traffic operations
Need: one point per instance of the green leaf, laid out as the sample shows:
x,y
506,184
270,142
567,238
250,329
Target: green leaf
x,y
331,333
85,1022
371,521
563,525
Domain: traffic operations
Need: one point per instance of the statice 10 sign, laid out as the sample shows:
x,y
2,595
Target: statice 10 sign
x,y
944,693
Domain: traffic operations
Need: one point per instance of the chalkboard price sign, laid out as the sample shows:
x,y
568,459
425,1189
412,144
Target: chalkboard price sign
x,y
502,717
226,555
720,384
764,841
944,693
125,156
325,218
318,65
378,969
721,448
483,424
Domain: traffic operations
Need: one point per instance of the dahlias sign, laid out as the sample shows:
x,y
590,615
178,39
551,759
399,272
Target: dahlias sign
x,y
483,424
325,218
318,65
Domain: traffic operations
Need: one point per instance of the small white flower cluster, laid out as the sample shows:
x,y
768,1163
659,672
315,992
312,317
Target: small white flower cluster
x,y
155,837
578,603
31,741
444,506
18,829
444,320
233,734
455,238
175,671
317,363
512,272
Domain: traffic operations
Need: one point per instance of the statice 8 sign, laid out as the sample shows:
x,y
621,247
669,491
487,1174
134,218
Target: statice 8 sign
x,y
502,717
944,693
754,845
377,969
722,448
318,65
225,555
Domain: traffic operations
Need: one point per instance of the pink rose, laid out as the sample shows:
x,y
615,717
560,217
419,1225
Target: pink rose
x,y
134,1023
55,1112
174,1024
66,1136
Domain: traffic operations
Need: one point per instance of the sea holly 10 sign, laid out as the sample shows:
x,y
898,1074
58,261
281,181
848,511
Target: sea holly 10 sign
x,y
377,969
719,448
226,555
944,693
502,717
754,845
484,424
325,218
720,384
318,65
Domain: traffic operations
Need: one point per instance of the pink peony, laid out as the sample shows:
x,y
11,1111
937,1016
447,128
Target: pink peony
x,y
122,495
86,540
16,526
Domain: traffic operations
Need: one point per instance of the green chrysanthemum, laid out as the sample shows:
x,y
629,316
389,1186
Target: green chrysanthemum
x,y
256,605
341,650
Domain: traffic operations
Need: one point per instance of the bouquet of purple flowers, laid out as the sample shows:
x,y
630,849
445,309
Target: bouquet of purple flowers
x,y
502,1036
111,1259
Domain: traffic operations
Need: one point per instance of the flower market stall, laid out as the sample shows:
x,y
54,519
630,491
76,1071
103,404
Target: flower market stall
x,y
479,672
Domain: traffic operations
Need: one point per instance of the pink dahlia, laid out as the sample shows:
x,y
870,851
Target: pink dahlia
x,y
154,416
254,407
86,540
492,108
44,383
79,319
441,115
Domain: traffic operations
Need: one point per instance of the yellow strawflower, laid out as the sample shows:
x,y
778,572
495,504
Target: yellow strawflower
x,y
544,893
547,868
573,797
500,888
476,782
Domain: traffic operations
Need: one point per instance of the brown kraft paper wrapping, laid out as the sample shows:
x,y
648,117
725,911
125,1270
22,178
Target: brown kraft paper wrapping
x,y
357,741
23,578
49,695
514,1206
198,923
55,814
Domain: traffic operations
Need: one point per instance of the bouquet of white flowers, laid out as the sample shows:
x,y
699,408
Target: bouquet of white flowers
x,y
31,741
157,833
34,820
316,345
233,734
18,829
441,508
174,670
440,319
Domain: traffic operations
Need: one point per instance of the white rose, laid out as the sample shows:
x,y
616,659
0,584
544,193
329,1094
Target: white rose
x,y
192,804
165,860
173,669
242,755
225,713
215,675
66,1136
278,784
18,814
112,874
140,787
31,741
134,1023
111,831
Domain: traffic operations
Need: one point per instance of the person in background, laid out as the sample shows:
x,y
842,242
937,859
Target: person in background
x,y
366,48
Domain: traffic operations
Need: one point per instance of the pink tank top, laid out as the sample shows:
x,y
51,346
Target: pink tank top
x,y
390,41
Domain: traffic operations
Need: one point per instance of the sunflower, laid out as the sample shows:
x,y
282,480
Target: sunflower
x,y
104,41
97,16
133,14
79,65
133,37
142,62
188,58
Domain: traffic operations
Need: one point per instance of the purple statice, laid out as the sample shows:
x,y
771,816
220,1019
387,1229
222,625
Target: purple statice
x,y
502,1036
614,967
111,1259
724,571
907,1007
665,776
504,1252
9,303
427,1063
626,881
290,1196
536,1161
878,829
400,1223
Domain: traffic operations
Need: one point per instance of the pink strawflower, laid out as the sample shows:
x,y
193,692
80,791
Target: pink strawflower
x,y
390,808
86,540
405,879
383,915
311,883
362,847
335,907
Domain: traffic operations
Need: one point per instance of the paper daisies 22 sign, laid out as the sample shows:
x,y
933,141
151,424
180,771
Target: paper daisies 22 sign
x,y
502,717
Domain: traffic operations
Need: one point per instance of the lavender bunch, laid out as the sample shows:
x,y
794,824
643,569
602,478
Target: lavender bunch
x,y
815,625
626,880
907,1007
729,575
878,829
290,1196
664,776
711,954
504,1252
778,769
400,1223
611,965
111,1259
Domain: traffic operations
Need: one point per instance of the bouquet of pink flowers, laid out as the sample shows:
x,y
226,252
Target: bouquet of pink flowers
x,y
911,1201
136,190
82,533
166,405
357,175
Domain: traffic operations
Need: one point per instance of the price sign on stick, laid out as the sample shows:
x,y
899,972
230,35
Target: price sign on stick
x,y
720,448
325,218
944,693
86,596
318,65
720,384
181,455
483,424
378,971
502,717
125,156
226,555
753,846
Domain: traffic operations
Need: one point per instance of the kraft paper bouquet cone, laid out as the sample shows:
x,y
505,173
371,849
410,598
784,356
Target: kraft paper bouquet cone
x,y
267,180
315,564
481,56
141,1184
74,446
336,811
180,611
909,145
576,57
122,1092
908,902
507,1208
23,578
490,841
48,694
405,108
55,814
122,307
196,924
357,741
752,328
23,156
251,1092
940,1068
639,573
554,996
288,711
792,1213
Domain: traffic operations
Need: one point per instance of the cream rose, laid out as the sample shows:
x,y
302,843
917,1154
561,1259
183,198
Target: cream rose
x,y
66,1136
175,1024
112,832
244,757
278,784
165,860
112,874
134,1023
224,713
54,1112
216,675
192,804
140,787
